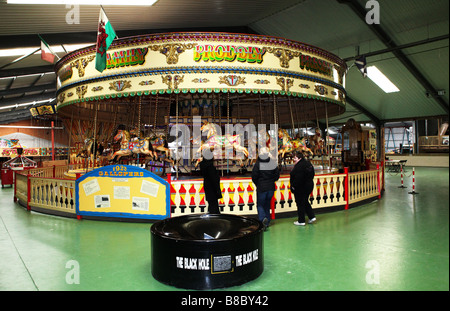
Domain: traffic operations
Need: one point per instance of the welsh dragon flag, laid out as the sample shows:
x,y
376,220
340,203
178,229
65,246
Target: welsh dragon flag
x,y
105,37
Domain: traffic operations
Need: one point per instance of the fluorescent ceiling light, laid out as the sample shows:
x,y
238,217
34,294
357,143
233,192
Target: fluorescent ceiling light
x,y
86,2
381,80
29,103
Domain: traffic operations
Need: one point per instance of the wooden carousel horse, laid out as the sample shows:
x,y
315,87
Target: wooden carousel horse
x,y
223,141
159,143
88,149
128,147
317,143
288,145
142,144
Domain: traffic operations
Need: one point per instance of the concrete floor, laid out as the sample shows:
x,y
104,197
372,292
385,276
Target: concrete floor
x,y
400,242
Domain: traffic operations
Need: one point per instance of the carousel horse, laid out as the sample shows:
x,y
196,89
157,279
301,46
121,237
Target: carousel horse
x,y
288,145
88,149
318,143
159,143
223,141
129,147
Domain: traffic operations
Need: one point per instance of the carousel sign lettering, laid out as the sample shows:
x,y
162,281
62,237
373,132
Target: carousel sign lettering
x,y
315,65
229,53
65,73
129,57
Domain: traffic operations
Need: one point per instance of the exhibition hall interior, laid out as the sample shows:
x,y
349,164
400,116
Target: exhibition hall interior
x,y
167,145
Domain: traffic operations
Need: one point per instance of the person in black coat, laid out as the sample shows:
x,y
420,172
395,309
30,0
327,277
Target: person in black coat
x,y
211,185
302,185
264,175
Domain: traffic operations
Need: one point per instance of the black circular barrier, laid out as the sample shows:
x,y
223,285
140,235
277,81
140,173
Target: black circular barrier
x,y
207,251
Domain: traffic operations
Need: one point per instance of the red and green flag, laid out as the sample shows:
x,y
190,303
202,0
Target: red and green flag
x,y
47,53
105,36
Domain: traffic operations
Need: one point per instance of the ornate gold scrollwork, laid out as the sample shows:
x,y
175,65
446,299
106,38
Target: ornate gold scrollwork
x,y
200,80
284,55
321,90
81,64
61,97
232,80
81,90
147,82
119,85
285,84
172,82
172,50
261,81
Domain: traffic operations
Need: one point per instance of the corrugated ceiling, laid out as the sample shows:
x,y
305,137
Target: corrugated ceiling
x,y
333,25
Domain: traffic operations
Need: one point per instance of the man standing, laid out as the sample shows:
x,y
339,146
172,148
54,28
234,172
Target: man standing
x,y
302,185
211,184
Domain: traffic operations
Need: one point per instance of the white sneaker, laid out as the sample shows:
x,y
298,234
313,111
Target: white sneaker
x,y
299,223
311,221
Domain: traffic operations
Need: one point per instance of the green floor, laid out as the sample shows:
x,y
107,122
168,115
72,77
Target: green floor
x,y
400,242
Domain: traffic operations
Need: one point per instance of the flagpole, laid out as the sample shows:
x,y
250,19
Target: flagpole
x,y
20,58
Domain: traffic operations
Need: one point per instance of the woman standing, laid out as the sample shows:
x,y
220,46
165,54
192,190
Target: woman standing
x,y
264,175
302,185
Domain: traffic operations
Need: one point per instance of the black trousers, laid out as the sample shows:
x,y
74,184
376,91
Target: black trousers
x,y
303,206
213,206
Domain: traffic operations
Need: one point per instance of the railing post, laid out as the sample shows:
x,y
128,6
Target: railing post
x,y
346,187
378,181
272,207
28,191
169,180
15,186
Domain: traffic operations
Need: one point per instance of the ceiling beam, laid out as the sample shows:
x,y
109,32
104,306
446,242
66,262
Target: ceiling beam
x,y
25,71
399,47
29,89
14,116
359,10
356,105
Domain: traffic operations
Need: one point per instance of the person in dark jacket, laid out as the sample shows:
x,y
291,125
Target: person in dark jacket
x,y
302,185
211,185
264,175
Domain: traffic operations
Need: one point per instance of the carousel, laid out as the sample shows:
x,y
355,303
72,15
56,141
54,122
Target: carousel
x,y
142,125
156,90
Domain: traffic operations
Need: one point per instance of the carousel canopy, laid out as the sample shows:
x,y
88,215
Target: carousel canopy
x,y
236,74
